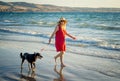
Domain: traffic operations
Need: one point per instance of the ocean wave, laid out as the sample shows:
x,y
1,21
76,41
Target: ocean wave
x,y
94,43
98,26
108,46
93,53
23,32
85,42
27,23
42,23
107,27
8,21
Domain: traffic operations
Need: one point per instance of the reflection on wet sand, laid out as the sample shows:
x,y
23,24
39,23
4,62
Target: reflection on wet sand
x,y
29,77
59,72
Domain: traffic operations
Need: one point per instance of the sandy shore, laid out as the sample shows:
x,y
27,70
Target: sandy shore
x,y
78,67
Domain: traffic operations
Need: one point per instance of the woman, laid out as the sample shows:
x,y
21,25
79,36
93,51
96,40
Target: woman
x,y
60,43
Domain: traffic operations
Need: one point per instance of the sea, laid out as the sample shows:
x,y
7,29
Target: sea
x,y
97,33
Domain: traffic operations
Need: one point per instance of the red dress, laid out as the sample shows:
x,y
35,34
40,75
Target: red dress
x,y
60,42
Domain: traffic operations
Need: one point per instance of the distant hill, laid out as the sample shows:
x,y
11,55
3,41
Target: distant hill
x,y
30,7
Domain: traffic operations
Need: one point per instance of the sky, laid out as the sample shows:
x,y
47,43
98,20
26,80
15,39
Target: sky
x,y
75,3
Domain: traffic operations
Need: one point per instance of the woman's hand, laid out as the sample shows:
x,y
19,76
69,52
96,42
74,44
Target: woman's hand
x,y
74,38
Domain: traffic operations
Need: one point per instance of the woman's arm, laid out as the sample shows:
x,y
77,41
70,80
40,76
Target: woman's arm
x,y
70,36
55,30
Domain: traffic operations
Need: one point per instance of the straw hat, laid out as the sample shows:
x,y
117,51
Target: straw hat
x,y
62,18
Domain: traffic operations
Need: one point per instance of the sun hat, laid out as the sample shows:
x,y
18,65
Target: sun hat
x,y
63,19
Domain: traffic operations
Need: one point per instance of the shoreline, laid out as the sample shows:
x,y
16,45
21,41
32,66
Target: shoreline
x,y
78,67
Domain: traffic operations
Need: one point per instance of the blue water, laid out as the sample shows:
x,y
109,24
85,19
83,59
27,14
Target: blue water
x,y
98,34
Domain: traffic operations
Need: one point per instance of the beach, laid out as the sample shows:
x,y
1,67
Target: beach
x,y
94,56
78,67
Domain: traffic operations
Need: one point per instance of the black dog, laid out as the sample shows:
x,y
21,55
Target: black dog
x,y
31,58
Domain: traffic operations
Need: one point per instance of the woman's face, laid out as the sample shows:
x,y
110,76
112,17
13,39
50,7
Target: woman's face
x,y
62,22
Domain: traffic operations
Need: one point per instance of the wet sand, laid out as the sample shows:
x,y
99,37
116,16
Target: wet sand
x,y
78,67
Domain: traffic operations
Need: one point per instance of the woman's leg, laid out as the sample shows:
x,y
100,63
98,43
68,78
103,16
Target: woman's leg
x,y
61,59
58,55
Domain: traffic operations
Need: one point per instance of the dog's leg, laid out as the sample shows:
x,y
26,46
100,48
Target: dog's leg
x,y
22,63
34,65
29,66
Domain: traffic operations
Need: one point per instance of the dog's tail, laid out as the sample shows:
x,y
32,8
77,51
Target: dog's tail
x,y
21,55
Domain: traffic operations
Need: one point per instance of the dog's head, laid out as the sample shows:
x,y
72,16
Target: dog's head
x,y
38,55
